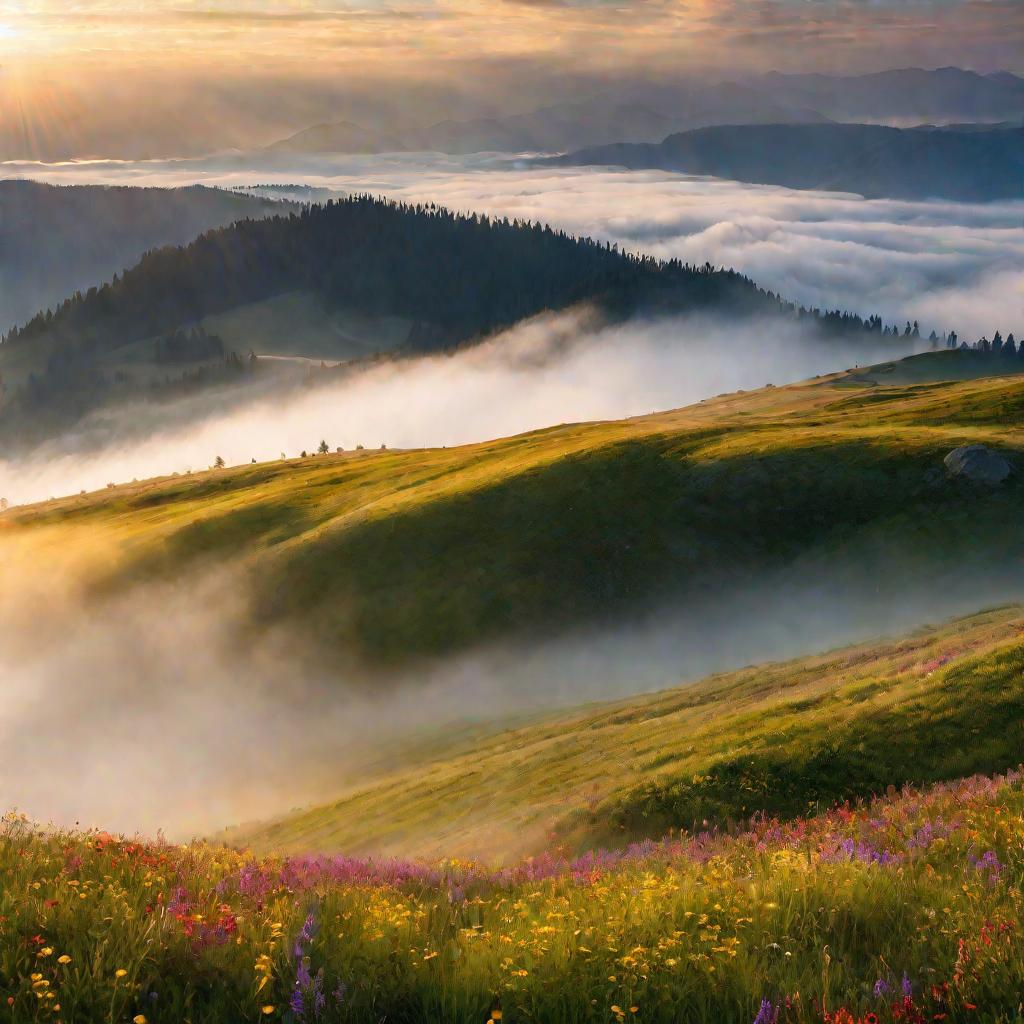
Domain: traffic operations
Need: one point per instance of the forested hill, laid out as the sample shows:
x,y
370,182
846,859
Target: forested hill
x,y
465,275
447,278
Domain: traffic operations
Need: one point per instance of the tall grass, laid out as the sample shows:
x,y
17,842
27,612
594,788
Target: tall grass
x,y
908,908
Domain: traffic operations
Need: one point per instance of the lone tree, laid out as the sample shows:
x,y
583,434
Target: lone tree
x,y
218,463
323,449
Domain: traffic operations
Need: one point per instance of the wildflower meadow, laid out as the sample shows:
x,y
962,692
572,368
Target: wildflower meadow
x,y
907,909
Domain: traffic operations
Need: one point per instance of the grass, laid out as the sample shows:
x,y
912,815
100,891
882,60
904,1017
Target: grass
x,y
394,557
784,738
905,909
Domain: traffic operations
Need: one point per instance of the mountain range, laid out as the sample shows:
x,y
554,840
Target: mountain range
x,y
650,113
872,160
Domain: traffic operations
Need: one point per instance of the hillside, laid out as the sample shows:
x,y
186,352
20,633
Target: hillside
x,y
451,278
55,241
871,160
394,557
904,902
779,738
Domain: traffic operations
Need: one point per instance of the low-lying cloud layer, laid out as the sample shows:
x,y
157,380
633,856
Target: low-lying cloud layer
x,y
952,266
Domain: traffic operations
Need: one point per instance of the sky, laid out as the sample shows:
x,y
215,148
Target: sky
x,y
863,34
239,72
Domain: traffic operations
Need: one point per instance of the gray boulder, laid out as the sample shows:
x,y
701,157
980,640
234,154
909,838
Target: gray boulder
x,y
978,464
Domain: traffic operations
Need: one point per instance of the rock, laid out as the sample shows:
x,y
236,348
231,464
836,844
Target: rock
x,y
978,464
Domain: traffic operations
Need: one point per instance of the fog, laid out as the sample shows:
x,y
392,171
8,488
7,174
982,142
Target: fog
x,y
952,266
553,369
143,712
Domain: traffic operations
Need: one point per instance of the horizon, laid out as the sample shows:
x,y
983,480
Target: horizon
x,y
103,79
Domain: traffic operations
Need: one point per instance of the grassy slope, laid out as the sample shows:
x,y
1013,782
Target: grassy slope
x,y
397,556
937,704
939,365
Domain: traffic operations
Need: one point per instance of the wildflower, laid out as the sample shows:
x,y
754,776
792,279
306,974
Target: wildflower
x,y
881,988
120,973
64,959
908,989
45,951
139,1018
767,1014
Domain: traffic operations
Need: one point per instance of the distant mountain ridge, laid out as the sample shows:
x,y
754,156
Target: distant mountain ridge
x,y
870,160
907,96
547,129
55,240
904,95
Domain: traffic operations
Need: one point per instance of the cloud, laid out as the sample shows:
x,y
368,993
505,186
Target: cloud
x,y
931,261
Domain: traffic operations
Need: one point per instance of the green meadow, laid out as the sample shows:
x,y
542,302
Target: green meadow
x,y
393,558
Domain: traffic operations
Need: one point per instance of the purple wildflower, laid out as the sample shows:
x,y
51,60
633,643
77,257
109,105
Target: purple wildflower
x,y
881,988
908,989
767,1014
988,864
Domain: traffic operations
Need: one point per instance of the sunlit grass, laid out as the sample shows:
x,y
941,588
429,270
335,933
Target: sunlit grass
x,y
395,556
908,909
784,737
